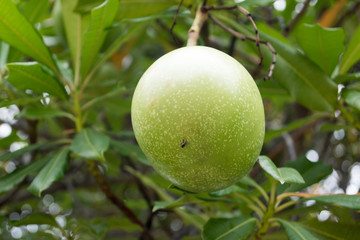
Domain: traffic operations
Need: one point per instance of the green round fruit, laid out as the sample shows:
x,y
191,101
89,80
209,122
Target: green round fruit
x,y
198,116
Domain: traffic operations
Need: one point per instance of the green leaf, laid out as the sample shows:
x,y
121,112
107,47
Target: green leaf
x,y
348,201
322,45
39,112
270,134
229,190
35,10
19,33
31,76
73,28
291,175
84,6
344,78
352,53
228,228
311,172
36,218
114,45
131,9
352,97
90,144
283,175
170,204
101,19
128,149
303,79
268,166
333,230
20,101
272,90
52,171
306,82
7,182
294,231
21,151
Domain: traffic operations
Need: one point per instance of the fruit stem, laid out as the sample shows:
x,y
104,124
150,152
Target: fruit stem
x,y
194,32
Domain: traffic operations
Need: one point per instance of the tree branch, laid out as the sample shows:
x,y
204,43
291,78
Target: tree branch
x,y
194,32
110,195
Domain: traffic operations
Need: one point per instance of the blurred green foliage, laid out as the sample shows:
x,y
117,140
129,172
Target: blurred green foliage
x,y
70,167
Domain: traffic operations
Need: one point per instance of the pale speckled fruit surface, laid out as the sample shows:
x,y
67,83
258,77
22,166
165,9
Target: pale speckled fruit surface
x,y
207,98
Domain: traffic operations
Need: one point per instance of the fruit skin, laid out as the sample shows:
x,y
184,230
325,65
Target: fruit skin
x,y
198,116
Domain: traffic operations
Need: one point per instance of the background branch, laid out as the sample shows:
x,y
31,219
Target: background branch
x,y
296,19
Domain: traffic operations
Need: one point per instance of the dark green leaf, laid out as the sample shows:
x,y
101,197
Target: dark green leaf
x,y
21,151
90,144
229,190
31,76
33,112
101,19
352,97
328,127
333,230
18,32
322,45
294,231
352,53
228,228
36,218
7,182
348,201
128,149
35,10
52,171
20,101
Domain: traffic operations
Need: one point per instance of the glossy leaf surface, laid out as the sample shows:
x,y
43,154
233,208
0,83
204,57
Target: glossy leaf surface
x,y
16,30
31,76
52,171
228,228
90,144
322,45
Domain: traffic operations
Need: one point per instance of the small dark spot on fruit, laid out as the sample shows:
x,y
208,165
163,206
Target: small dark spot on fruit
x,y
183,143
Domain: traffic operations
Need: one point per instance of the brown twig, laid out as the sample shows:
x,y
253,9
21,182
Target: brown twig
x,y
296,19
174,22
93,168
243,37
306,195
248,15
